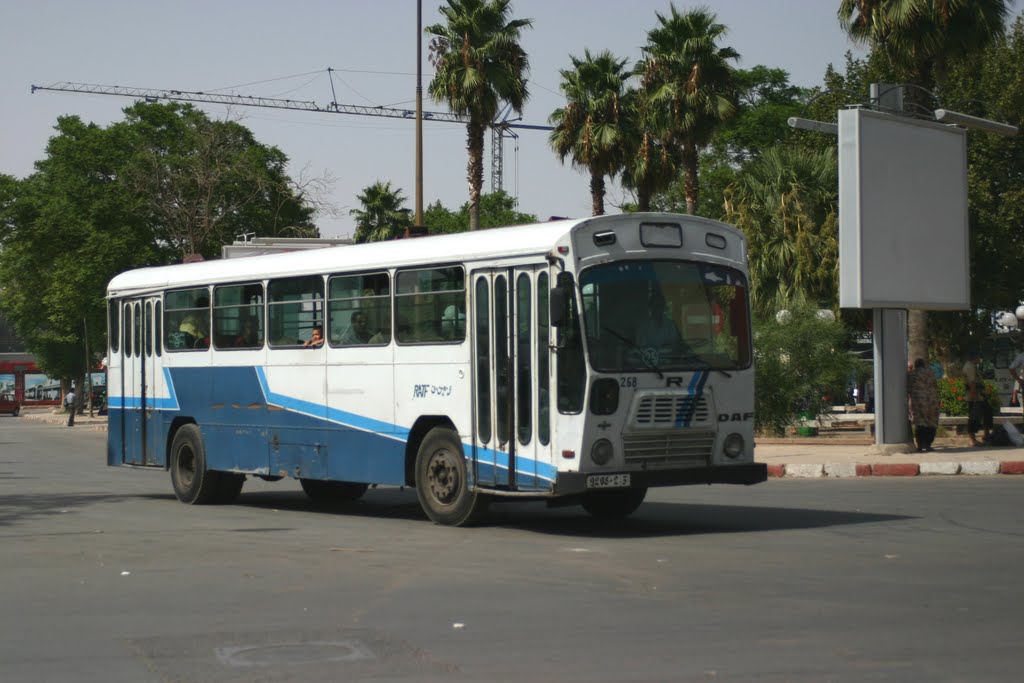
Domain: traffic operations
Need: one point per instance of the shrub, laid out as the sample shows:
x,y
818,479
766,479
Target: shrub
x,y
799,362
953,396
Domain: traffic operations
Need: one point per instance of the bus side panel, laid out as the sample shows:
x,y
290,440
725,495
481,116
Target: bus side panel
x,y
365,443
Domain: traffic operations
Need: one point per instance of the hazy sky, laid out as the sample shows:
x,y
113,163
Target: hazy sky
x,y
250,48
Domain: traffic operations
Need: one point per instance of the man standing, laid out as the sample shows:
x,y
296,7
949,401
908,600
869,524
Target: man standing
x,y
1017,370
69,403
979,415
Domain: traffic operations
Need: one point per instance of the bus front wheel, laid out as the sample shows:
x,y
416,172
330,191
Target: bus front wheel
x,y
193,483
613,504
442,486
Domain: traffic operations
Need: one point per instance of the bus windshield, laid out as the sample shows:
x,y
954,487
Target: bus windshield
x,y
655,316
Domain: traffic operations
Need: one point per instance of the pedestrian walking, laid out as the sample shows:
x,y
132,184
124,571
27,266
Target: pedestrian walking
x,y
69,403
979,413
923,392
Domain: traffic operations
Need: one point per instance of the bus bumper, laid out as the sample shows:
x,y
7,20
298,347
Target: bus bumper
x,y
570,483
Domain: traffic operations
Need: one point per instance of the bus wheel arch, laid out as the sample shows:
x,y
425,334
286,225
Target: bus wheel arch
x,y
172,432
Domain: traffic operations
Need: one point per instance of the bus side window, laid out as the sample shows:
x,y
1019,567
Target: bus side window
x,y
295,307
430,305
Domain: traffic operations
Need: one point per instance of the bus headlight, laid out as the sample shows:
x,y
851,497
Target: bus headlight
x,y
734,445
602,451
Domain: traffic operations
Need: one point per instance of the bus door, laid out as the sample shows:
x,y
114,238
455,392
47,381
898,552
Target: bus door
x,y
508,446
142,380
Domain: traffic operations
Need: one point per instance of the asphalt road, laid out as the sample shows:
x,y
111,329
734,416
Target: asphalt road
x,y
104,576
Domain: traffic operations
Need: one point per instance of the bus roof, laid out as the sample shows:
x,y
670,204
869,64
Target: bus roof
x,y
523,240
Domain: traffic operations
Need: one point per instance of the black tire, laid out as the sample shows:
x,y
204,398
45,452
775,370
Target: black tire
x,y
17,411
322,491
617,504
229,487
193,483
441,482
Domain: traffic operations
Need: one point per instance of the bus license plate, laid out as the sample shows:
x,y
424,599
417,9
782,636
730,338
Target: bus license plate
x,y
607,481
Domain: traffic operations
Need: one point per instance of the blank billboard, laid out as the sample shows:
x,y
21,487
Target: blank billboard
x,y
903,236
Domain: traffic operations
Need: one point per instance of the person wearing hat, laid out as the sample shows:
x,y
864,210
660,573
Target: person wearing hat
x,y
979,414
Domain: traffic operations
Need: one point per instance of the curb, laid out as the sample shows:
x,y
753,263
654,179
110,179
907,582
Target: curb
x,y
846,470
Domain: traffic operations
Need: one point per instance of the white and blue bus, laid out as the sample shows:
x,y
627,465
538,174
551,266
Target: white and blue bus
x,y
575,361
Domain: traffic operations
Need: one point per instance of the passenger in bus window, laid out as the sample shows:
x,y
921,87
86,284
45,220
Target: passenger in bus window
x,y
453,323
195,325
248,336
358,333
316,339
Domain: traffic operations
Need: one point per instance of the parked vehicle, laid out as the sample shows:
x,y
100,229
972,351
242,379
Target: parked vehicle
x,y
8,404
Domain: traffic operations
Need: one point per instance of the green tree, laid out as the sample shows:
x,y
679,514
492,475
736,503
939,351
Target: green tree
x,y
765,101
591,127
689,81
801,365
382,216
85,215
73,225
921,39
202,182
478,65
785,202
989,84
497,210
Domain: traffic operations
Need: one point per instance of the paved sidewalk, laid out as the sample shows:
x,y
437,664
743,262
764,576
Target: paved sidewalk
x,y
796,457
823,457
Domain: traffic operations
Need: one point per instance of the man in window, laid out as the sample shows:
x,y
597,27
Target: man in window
x,y
358,332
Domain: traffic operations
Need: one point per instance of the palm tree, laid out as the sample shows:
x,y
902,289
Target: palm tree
x,y
478,65
650,162
592,125
382,216
689,81
785,202
920,38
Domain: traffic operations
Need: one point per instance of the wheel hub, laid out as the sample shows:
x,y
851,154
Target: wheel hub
x,y
443,477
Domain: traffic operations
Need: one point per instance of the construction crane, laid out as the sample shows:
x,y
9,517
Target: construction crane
x,y
501,128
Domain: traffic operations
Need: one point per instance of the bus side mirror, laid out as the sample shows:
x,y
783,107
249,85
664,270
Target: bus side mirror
x,y
559,306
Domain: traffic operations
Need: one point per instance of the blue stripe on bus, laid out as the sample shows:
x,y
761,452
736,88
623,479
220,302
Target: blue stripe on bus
x,y
492,464
695,390
315,410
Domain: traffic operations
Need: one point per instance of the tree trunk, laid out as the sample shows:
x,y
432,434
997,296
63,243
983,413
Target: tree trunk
x,y
690,181
88,365
475,170
597,193
917,335
643,197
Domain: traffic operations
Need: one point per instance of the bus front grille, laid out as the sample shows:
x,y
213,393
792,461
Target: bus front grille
x,y
669,449
670,411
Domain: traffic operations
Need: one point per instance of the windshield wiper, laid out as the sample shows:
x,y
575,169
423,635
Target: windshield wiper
x,y
633,345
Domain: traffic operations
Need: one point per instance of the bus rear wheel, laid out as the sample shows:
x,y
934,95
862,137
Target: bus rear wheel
x,y
613,504
193,483
442,486
321,491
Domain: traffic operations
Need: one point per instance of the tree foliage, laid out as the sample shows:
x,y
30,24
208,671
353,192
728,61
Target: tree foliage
x,y
688,78
593,125
497,210
801,365
85,215
478,65
786,203
202,182
382,216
